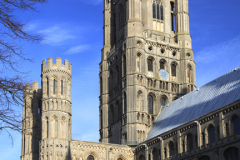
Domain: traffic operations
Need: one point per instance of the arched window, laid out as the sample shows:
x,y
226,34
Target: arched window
x,y
155,154
124,65
172,16
138,62
203,138
141,157
204,158
161,11
154,10
163,101
150,104
47,86
61,87
54,86
227,129
189,142
157,9
158,12
171,148
231,153
211,134
173,69
90,157
140,100
162,64
119,159
63,129
149,156
47,127
236,125
125,103
189,74
150,65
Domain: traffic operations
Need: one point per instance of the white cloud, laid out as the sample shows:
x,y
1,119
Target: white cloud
x,y
77,49
226,51
56,35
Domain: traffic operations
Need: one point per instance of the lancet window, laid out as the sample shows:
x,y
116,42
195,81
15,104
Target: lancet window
x,y
157,9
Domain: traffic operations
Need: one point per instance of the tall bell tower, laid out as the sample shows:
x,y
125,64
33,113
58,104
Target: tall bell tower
x,y
147,61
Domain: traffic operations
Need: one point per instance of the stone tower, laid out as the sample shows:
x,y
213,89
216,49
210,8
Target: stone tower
x,y
147,61
47,114
56,109
31,124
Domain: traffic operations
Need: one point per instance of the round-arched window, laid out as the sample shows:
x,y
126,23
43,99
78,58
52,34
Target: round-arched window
x,y
231,153
90,157
150,104
211,134
163,101
236,125
171,148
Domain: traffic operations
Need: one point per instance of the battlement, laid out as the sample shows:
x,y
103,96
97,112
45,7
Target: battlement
x,y
35,87
66,67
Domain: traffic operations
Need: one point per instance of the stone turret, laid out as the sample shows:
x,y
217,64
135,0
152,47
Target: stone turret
x,y
31,124
56,109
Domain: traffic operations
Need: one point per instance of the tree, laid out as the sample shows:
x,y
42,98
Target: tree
x,y
11,55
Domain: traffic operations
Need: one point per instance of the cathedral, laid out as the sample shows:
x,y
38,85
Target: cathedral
x,y
149,105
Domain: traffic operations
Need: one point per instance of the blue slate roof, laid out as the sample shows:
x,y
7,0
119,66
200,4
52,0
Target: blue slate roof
x,y
211,96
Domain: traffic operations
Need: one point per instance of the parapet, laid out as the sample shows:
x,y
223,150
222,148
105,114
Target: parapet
x,y
34,87
66,67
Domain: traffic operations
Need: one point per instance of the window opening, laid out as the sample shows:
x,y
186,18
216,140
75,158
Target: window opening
x,y
171,148
236,124
211,134
190,142
162,64
54,86
231,153
90,157
150,65
150,104
173,67
61,87
163,101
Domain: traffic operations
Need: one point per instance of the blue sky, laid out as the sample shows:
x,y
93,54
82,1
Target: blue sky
x,y
73,31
